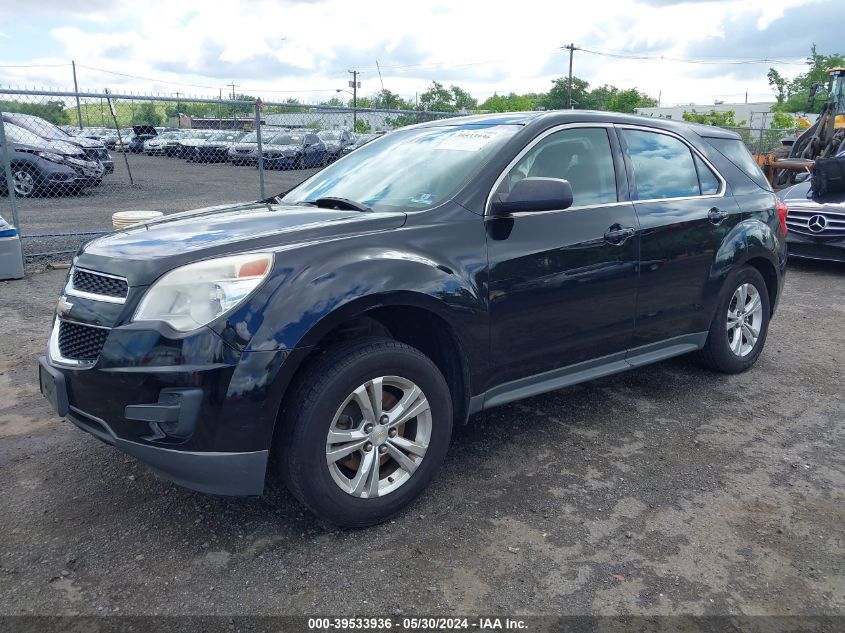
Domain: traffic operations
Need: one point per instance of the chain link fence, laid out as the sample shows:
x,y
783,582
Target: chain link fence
x,y
72,159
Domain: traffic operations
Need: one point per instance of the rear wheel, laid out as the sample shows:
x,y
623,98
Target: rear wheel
x,y
739,329
365,430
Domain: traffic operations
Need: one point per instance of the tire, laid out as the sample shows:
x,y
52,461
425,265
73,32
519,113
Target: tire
x,y
729,350
323,399
25,181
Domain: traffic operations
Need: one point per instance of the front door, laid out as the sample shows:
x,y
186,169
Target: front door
x,y
563,283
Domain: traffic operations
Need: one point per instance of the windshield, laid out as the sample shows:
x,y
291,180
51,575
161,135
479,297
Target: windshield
x,y
168,135
17,134
286,139
252,137
328,135
411,169
38,126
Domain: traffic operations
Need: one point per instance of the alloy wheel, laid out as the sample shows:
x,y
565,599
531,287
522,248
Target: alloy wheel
x,y
745,319
24,183
378,437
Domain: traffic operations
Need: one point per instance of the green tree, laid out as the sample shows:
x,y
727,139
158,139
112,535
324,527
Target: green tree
x,y
795,93
462,100
628,101
722,119
335,102
148,114
558,97
362,127
437,98
511,102
53,111
782,120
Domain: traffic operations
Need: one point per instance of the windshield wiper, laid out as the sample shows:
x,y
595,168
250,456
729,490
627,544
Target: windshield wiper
x,y
338,203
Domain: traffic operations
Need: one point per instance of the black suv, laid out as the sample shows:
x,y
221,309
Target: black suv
x,y
441,270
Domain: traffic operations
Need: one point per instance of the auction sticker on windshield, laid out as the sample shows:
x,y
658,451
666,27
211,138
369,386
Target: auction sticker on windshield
x,y
467,140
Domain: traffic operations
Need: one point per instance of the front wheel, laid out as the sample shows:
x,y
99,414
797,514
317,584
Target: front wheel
x,y
739,329
25,181
365,430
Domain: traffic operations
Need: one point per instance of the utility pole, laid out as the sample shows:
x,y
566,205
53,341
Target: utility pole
x,y
76,90
178,114
572,48
354,84
234,117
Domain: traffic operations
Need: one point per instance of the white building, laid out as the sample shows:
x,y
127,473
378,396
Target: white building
x,y
757,114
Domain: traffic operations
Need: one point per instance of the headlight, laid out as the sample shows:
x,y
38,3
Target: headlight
x,y
54,158
192,296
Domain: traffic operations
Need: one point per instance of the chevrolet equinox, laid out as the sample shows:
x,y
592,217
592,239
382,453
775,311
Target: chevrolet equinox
x,y
335,333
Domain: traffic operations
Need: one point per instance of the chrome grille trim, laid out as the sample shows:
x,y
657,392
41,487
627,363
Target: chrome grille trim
x,y
70,289
798,220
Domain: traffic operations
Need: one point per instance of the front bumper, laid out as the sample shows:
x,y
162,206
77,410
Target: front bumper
x,y
828,249
192,408
236,474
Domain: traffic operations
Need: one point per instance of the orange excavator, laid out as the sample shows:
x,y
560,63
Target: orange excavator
x,y
822,140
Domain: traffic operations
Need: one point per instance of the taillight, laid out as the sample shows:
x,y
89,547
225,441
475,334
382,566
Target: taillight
x,y
783,211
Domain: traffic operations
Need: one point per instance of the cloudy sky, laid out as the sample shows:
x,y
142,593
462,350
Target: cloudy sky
x,y
303,49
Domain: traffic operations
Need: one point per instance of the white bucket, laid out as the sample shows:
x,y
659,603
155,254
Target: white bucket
x,y
125,219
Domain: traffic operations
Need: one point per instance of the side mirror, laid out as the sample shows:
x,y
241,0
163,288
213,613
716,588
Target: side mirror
x,y
533,194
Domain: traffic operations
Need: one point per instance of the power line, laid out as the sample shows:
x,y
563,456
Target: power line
x,y
33,65
712,60
153,79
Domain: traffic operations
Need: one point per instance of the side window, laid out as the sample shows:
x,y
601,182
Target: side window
x,y
663,166
580,155
706,177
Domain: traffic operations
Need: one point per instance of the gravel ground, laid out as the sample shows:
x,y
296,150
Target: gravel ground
x,y
160,184
666,490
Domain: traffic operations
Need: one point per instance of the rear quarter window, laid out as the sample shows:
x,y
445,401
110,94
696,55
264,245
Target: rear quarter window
x,y
735,151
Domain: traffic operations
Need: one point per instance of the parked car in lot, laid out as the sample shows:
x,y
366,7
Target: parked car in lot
x,y
360,141
215,149
186,146
816,224
245,151
335,141
446,269
141,134
94,150
293,150
46,167
165,144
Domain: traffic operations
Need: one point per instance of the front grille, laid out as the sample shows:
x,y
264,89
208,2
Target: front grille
x,y
816,222
97,284
81,342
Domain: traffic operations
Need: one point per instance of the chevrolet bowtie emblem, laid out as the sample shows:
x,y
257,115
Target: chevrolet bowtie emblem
x,y
63,307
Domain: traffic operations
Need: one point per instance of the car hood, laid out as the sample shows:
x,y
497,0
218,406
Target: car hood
x,y
245,146
143,253
800,197
48,145
192,142
83,142
280,148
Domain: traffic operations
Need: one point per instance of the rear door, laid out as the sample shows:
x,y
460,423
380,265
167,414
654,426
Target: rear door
x,y
685,213
563,283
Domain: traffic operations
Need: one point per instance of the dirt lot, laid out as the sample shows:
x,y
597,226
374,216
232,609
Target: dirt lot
x,y
160,184
668,490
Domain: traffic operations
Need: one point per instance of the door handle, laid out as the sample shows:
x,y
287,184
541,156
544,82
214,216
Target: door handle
x,y
716,215
617,235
